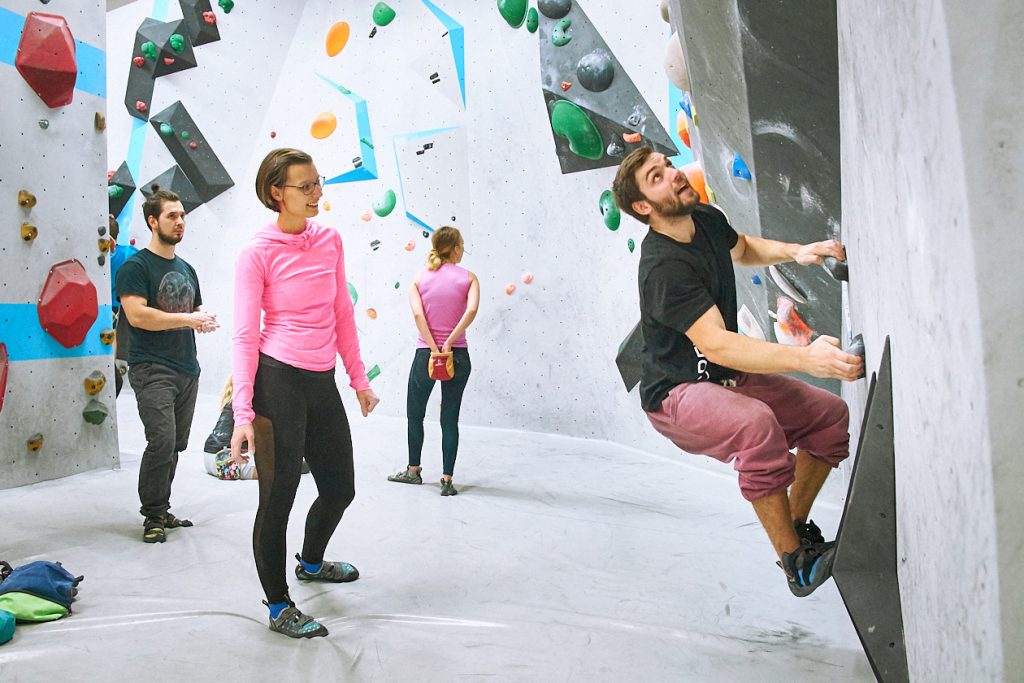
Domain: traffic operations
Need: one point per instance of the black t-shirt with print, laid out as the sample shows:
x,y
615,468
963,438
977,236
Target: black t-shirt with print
x,y
679,282
170,285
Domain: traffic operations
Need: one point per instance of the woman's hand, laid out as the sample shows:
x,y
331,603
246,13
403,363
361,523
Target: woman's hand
x,y
447,346
367,401
242,433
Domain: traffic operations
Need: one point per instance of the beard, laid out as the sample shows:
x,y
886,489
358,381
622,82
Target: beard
x,y
168,238
675,208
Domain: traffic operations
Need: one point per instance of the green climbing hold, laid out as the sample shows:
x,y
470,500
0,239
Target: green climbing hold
x,y
226,5
352,293
610,211
185,134
386,204
177,42
513,11
559,37
532,20
373,373
166,130
397,285
572,123
366,142
149,49
631,244
115,191
383,14
95,412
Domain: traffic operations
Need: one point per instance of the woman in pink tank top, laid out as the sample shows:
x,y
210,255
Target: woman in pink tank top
x,y
444,300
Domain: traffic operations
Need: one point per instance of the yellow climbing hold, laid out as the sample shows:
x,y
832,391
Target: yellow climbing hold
x,y
337,37
323,125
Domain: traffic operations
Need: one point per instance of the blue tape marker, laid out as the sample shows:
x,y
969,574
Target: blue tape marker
x,y
27,340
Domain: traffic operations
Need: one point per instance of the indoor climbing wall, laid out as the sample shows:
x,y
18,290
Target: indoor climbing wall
x,y
932,151
762,112
56,361
426,113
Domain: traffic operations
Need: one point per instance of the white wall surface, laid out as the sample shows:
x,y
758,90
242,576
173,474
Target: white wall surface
x,y
931,189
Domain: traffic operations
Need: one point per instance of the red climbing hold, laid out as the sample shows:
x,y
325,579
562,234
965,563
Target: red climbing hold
x,y
168,60
192,145
46,58
68,305
141,106
566,85
139,61
3,373
210,18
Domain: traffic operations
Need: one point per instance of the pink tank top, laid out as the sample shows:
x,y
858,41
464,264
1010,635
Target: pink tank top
x,y
444,292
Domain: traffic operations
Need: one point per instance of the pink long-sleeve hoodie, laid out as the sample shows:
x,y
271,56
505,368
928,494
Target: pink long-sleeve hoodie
x,y
298,281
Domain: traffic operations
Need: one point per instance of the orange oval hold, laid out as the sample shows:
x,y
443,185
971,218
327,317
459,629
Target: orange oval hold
x,y
323,125
337,37
695,174
371,313
682,127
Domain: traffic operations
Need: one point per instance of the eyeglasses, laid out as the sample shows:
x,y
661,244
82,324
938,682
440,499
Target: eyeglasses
x,y
308,188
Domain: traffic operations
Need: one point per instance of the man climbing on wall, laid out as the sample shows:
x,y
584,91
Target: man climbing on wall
x,y
160,302
713,391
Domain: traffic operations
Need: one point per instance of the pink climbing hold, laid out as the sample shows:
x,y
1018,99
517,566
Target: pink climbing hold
x,y
210,18
168,60
410,245
193,145
366,217
527,278
139,61
141,106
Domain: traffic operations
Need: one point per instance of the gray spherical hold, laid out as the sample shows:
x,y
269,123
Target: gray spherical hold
x,y
554,9
44,124
664,11
595,71
675,64
614,149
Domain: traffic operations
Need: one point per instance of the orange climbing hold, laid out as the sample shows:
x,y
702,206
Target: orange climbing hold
x,y
323,125
366,217
632,137
509,288
566,85
683,127
695,174
107,336
35,442
371,313
327,206
337,37
28,232
26,199
410,245
94,383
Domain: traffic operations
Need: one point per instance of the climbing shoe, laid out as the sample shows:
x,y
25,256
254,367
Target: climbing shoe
x,y
810,534
407,476
294,624
331,572
153,530
806,568
172,522
448,488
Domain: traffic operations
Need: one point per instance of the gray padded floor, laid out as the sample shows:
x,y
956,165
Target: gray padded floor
x,y
560,560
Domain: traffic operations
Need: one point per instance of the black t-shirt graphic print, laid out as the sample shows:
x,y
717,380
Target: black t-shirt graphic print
x,y
172,286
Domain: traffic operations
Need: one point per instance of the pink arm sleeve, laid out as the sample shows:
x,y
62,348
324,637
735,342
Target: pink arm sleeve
x,y
249,276
344,315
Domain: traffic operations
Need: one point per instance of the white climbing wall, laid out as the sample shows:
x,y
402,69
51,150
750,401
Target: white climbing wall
x,y
59,156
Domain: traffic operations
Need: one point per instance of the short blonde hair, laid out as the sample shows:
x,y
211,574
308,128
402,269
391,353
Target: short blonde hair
x,y
274,172
444,242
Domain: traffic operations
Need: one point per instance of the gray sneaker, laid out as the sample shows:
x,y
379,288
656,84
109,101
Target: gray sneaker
x,y
331,572
295,624
407,476
448,488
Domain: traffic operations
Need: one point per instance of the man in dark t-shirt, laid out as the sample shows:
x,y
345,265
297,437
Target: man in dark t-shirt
x,y
160,304
713,391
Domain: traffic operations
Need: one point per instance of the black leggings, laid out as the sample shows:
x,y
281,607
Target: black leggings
x,y
299,413
420,387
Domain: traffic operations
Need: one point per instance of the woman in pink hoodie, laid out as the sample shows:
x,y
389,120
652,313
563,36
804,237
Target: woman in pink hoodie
x,y
293,272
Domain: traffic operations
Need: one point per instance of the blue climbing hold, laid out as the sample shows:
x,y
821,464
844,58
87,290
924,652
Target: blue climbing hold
x,y
739,168
756,279
684,104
